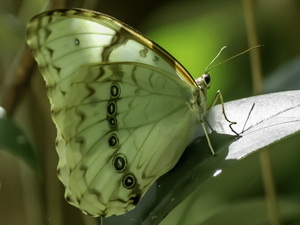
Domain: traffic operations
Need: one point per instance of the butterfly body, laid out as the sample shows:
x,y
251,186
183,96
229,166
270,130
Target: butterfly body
x,y
124,108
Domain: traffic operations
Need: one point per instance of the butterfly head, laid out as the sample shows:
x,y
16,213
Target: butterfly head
x,y
203,82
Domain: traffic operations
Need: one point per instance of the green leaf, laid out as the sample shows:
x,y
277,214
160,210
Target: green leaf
x,y
13,140
274,117
284,78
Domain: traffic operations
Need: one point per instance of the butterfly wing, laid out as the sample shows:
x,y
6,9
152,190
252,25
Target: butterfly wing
x,y
121,105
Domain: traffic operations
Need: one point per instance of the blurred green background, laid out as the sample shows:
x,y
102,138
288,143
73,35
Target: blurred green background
x,y
193,32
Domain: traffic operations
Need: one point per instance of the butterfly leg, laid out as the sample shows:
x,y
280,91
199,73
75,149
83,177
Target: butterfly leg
x,y
216,98
207,138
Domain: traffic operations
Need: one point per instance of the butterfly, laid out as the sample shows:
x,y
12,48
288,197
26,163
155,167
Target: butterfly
x,y
124,108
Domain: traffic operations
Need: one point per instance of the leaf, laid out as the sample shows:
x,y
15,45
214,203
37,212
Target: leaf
x,y
274,117
285,78
13,140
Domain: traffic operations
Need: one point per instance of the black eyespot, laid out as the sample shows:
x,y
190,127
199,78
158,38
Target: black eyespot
x,y
111,108
112,122
76,42
120,162
129,181
144,52
115,90
113,141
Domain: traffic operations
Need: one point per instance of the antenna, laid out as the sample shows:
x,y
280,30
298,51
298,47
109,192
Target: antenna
x,y
209,67
214,59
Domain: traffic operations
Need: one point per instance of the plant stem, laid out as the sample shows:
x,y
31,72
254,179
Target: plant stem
x,y
256,68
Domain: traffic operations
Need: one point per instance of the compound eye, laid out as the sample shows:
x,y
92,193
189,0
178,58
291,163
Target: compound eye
x,y
206,78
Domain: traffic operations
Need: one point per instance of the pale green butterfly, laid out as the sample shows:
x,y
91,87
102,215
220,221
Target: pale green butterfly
x,y
124,108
